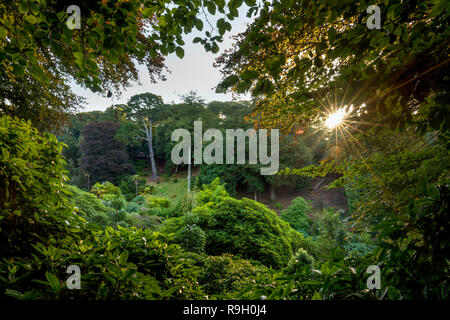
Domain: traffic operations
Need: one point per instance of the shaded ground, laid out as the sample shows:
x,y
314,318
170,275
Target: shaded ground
x,y
319,197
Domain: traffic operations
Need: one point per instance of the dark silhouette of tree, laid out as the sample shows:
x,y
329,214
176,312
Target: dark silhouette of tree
x,y
104,158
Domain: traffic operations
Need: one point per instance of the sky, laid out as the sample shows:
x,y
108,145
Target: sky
x,y
194,72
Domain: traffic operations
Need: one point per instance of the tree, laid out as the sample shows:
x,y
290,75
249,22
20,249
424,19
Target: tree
x,y
117,202
104,158
302,59
137,179
296,215
191,237
143,108
40,50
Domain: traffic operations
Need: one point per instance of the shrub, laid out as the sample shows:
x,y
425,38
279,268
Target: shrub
x,y
296,215
33,204
132,207
90,205
226,274
139,199
152,202
300,259
104,188
115,263
146,190
145,222
243,227
278,205
190,236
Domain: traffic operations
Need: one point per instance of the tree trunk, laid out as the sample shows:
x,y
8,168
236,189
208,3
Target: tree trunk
x,y
272,193
318,184
148,132
189,172
256,196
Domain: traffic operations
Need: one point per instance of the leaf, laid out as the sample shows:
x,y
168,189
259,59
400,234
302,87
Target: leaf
x,y
211,7
123,258
3,33
180,52
249,75
199,24
331,34
13,293
53,281
438,8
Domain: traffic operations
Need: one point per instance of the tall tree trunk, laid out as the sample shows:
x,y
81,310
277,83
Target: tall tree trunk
x,y
148,132
272,193
189,172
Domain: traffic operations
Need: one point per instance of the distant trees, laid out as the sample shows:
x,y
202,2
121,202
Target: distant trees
x,y
104,158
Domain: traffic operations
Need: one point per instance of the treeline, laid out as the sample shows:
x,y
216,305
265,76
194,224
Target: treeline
x,y
114,144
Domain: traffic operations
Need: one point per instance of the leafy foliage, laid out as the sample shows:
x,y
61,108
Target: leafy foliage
x,y
33,202
243,227
296,215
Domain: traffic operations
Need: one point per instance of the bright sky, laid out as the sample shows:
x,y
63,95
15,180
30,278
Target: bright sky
x,y
194,72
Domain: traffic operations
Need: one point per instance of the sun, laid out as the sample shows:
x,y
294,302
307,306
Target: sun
x,y
335,119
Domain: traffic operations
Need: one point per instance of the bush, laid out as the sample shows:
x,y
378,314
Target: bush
x,y
226,274
132,207
160,202
243,227
146,222
33,204
127,187
146,190
300,259
332,232
104,188
140,200
190,236
296,215
278,205
115,264
87,203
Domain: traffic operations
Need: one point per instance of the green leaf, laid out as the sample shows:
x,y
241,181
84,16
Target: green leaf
x,y
53,281
13,293
3,33
123,258
180,52
438,8
199,24
331,34
211,7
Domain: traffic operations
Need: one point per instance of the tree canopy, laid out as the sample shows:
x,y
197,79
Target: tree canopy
x,y
303,59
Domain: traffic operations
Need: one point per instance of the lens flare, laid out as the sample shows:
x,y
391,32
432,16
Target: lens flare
x,y
335,119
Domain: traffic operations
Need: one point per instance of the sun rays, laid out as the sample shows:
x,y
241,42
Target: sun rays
x,y
335,119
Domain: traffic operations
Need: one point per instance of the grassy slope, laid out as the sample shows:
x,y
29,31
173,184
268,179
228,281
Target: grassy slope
x,y
172,188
